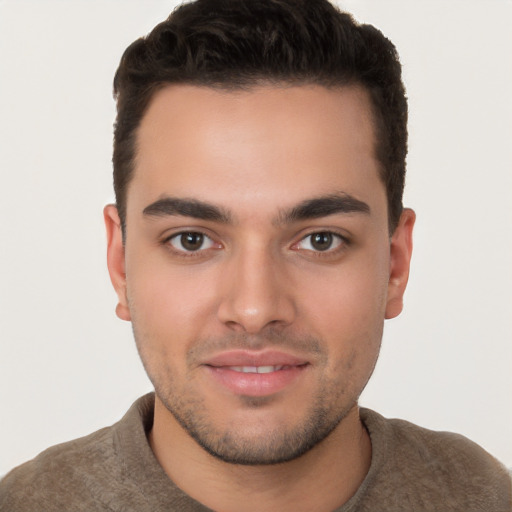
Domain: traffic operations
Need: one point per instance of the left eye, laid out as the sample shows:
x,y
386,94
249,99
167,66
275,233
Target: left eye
x,y
320,242
191,241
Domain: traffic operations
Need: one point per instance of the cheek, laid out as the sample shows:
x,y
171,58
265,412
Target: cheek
x,y
349,299
347,309
167,304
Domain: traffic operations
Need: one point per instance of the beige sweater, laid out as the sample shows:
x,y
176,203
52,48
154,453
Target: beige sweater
x,y
114,469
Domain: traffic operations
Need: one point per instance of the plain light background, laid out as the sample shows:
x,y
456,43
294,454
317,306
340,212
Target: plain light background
x,y
68,366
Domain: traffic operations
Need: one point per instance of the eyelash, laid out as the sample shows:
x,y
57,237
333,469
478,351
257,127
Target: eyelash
x,y
341,242
189,253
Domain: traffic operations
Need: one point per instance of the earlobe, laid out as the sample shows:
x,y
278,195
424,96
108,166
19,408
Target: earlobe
x,y
116,260
400,261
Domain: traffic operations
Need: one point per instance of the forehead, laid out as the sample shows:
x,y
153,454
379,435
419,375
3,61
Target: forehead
x,y
276,143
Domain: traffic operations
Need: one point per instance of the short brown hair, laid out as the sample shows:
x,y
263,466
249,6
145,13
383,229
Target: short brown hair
x,y
236,44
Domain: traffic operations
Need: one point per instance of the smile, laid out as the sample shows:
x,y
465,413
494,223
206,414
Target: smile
x,y
256,369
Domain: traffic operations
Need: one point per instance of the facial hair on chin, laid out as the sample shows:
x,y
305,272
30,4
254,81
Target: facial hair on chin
x,y
274,447
229,444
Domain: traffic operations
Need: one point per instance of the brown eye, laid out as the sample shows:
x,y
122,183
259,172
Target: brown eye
x,y
321,241
190,241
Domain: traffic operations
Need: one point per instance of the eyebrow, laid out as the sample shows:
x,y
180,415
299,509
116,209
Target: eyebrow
x,y
324,206
313,208
186,208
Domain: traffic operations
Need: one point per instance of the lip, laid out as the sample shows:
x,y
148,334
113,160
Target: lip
x,y
220,368
251,358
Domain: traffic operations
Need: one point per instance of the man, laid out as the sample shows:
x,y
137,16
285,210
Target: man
x,y
257,244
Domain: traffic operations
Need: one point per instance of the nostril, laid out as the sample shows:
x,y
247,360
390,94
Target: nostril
x,y
235,326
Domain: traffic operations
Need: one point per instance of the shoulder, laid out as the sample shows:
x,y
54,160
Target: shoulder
x,y
100,471
432,468
47,480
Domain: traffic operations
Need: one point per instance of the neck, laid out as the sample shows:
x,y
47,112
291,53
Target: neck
x,y
323,479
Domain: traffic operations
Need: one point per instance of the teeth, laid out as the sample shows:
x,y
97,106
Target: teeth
x,y
267,369
255,369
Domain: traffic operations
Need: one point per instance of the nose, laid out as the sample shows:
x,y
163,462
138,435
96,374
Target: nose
x,y
256,292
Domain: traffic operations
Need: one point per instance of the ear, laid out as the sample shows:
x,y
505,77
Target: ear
x,y
400,261
115,259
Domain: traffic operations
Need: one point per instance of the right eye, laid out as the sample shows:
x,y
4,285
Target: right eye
x,y
190,241
321,241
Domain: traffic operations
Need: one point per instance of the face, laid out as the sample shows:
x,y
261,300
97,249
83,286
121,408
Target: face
x,y
258,268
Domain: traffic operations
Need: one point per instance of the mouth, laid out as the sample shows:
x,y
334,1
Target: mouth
x,y
258,369
255,374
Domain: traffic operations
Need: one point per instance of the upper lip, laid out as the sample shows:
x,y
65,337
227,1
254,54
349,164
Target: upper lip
x,y
251,358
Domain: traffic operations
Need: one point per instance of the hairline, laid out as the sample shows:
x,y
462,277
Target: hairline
x,y
248,86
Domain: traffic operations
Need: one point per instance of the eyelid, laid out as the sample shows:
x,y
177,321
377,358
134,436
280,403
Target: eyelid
x,y
342,242
206,242
166,241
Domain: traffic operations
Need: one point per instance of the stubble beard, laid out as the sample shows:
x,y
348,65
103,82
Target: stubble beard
x,y
272,447
228,444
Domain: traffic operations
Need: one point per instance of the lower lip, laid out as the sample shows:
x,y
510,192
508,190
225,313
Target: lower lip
x,y
256,384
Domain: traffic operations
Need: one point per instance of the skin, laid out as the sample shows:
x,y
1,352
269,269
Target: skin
x,y
258,283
